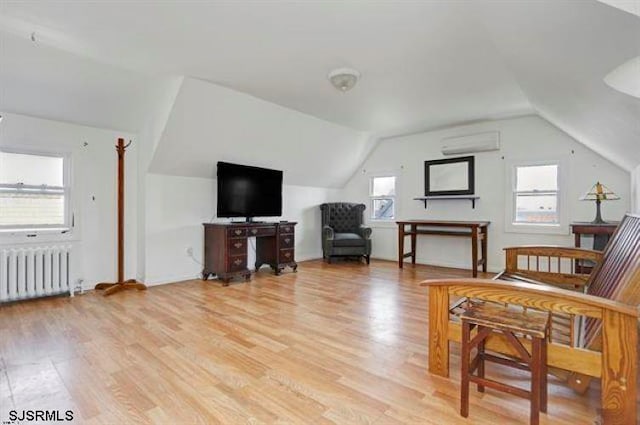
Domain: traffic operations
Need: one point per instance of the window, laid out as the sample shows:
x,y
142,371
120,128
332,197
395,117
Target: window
x,y
536,194
34,191
382,193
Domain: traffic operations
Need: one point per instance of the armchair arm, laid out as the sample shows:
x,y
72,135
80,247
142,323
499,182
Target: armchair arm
x,y
327,232
365,231
615,364
540,297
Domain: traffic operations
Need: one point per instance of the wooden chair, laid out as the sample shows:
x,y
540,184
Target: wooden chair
x,y
598,313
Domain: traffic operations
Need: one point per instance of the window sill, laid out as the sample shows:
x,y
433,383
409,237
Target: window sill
x,y
41,231
37,236
544,229
385,224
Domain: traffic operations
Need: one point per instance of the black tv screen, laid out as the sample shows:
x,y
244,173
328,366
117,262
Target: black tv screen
x,y
245,191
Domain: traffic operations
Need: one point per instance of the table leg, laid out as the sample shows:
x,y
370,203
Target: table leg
x,y
484,244
474,251
578,268
414,228
400,244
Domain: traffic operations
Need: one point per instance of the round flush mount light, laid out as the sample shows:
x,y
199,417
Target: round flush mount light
x,y
343,79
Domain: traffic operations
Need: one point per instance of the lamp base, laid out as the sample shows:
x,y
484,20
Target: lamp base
x,y
598,219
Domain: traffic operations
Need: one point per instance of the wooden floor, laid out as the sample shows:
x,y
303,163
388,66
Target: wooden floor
x,y
341,343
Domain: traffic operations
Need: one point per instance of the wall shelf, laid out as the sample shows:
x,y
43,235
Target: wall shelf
x,y
425,199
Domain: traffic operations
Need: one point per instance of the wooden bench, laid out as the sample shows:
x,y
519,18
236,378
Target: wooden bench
x,y
599,310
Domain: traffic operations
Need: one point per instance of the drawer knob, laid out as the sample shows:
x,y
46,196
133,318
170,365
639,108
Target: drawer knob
x,y
237,244
237,262
254,231
238,232
287,240
288,254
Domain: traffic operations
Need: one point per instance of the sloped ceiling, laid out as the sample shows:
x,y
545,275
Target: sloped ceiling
x,y
423,65
210,123
45,82
559,52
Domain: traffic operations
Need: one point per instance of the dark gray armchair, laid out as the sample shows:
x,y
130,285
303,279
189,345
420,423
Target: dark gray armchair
x,y
343,234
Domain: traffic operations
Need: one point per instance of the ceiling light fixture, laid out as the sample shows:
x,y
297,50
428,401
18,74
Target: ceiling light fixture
x,y
343,79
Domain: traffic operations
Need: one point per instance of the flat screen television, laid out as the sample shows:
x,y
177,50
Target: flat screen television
x,y
245,191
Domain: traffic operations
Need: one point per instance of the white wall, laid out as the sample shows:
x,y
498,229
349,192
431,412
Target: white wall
x,y
176,207
635,190
165,95
210,123
528,137
93,192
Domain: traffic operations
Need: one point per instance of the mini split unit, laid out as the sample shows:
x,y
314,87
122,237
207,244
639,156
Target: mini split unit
x,y
480,142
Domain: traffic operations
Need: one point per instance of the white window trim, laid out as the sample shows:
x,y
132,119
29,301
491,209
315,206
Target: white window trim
x,y
377,222
53,229
561,228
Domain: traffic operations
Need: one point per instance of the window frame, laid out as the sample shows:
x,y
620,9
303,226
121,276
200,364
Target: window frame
x,y
65,189
562,206
373,198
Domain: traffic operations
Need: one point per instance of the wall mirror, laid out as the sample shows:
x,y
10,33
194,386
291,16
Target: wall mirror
x,y
451,176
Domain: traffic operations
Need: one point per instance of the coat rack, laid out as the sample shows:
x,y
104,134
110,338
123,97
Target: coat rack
x,y
121,284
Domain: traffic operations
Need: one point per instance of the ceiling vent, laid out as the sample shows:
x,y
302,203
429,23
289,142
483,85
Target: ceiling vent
x,y
472,143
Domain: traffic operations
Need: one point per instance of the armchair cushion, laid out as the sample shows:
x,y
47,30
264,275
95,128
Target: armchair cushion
x,y
348,239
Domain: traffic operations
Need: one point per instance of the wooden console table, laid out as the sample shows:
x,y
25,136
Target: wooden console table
x,y
467,229
225,248
601,234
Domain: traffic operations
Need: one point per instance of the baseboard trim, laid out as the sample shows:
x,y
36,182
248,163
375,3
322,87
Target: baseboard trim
x,y
491,268
164,280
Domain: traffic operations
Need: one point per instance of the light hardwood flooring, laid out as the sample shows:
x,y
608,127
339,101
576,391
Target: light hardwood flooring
x,y
341,343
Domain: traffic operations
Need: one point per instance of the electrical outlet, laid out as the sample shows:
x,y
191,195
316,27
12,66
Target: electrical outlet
x,y
190,252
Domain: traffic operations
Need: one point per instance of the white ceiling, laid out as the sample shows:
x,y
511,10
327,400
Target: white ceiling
x,y
560,52
210,123
423,64
46,82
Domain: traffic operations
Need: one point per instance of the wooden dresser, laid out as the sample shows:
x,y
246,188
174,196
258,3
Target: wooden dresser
x,y
226,245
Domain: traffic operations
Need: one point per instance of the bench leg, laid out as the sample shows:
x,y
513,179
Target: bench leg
x,y
464,374
543,377
481,361
536,381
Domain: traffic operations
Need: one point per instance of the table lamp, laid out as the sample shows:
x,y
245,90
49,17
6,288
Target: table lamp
x,y
599,193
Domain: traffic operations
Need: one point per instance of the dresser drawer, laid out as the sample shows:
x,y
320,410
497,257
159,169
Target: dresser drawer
x,y
238,246
237,232
286,228
236,263
286,255
261,231
286,241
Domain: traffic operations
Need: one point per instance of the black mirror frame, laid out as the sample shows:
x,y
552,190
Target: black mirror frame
x,y
470,160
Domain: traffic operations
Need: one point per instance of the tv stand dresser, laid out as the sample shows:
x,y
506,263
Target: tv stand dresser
x,y
226,244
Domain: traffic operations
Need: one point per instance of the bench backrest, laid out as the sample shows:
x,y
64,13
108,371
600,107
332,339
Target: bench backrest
x,y
617,276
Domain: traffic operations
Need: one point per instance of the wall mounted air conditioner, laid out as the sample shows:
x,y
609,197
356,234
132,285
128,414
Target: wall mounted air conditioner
x,y
480,142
